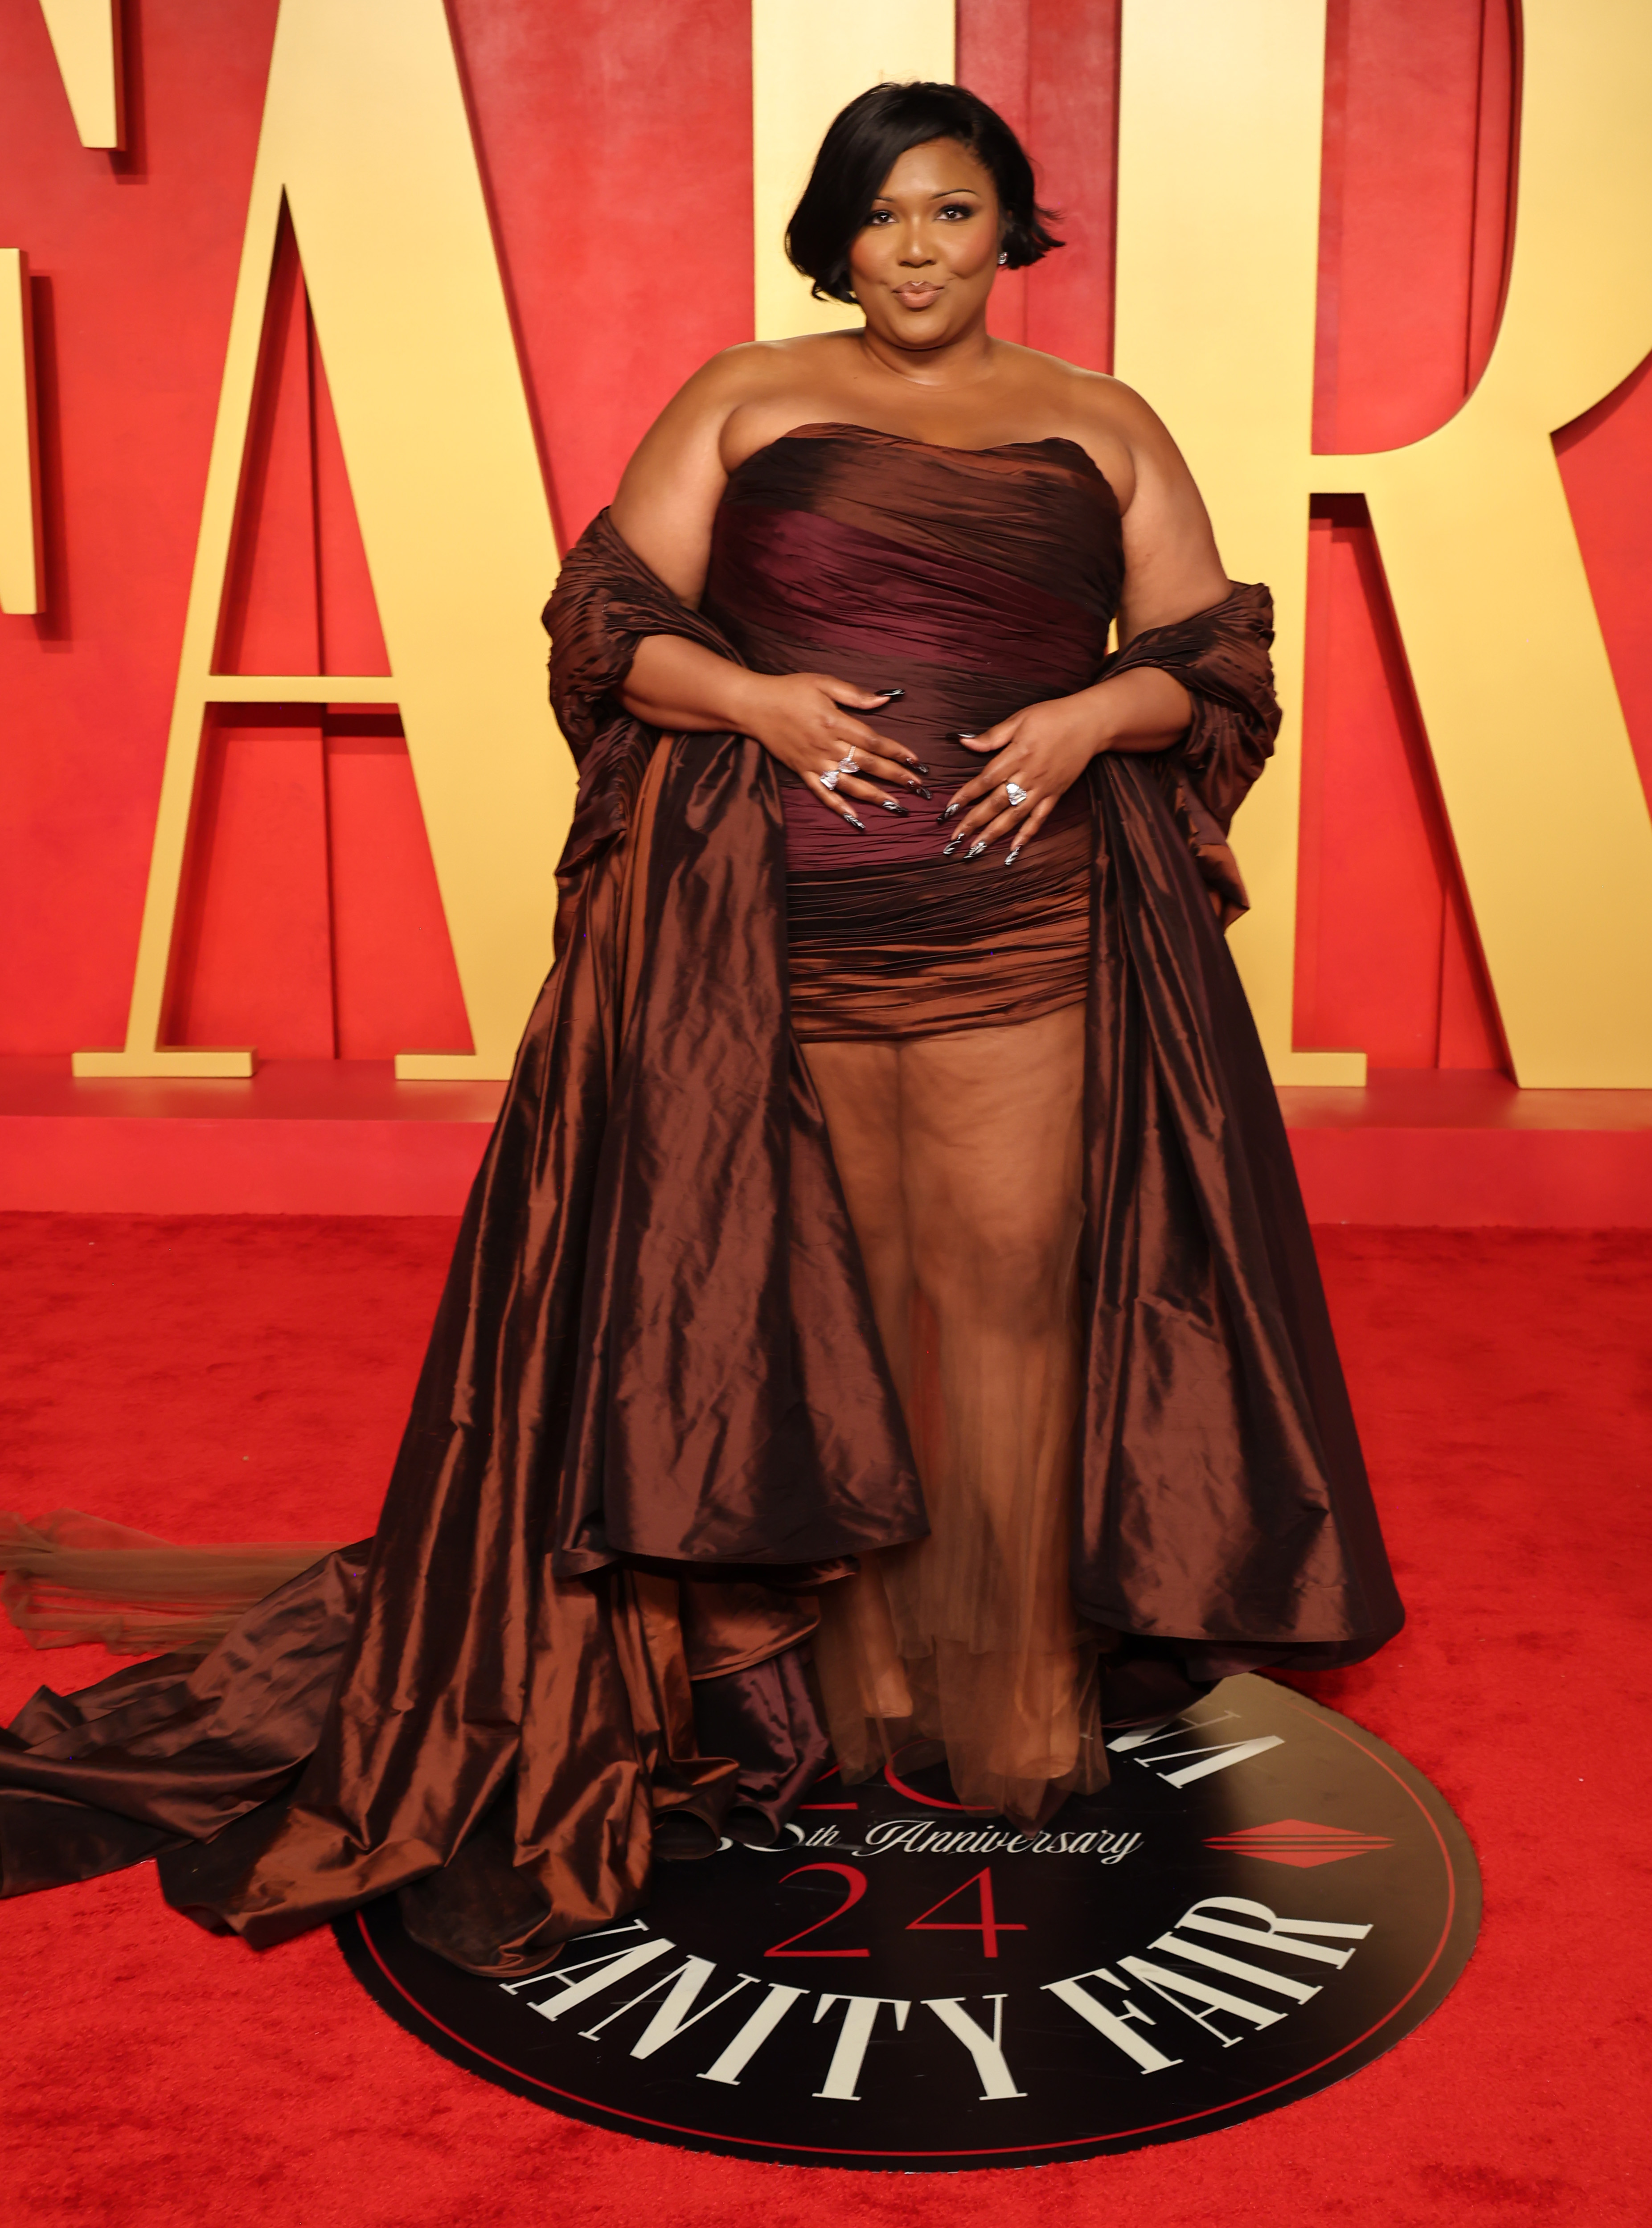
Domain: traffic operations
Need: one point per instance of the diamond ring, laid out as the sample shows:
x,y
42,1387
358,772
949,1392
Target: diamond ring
x,y
830,778
1015,792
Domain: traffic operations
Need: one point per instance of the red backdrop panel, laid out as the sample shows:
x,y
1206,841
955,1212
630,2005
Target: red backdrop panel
x,y
616,149
260,883
1606,464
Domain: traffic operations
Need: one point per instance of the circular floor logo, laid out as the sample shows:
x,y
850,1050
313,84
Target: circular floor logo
x,y
1265,1898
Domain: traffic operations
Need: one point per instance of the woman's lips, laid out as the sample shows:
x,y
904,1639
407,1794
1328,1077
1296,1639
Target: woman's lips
x,y
916,296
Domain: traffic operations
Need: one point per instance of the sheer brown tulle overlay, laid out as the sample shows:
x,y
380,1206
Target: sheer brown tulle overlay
x,y
963,1166
715,1306
70,1578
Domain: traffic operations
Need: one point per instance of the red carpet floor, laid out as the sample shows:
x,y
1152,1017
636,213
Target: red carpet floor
x,y
245,1378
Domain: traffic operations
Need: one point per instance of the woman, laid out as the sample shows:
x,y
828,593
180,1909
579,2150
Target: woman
x,y
889,1228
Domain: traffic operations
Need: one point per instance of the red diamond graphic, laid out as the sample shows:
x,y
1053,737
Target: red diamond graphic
x,y
1294,1842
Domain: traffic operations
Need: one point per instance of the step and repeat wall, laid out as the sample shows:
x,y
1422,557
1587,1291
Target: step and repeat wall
x,y
325,325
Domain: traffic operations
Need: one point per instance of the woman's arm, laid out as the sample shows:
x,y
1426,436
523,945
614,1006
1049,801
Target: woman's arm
x,y
677,684
1171,567
669,491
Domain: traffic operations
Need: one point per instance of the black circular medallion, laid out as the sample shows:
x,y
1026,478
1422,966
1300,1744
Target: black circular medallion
x,y
1265,1899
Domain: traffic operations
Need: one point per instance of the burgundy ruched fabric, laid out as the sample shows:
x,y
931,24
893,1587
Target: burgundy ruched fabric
x,y
655,1417
978,582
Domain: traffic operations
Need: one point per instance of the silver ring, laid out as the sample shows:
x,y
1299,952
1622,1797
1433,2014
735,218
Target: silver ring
x,y
846,763
830,778
1015,792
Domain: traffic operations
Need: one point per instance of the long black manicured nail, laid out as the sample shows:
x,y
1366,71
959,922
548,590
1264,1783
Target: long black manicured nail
x,y
947,849
942,817
892,694
854,822
916,767
889,805
918,789
977,848
1011,857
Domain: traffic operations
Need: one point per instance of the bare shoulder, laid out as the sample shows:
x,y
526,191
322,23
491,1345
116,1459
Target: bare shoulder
x,y
739,399
1129,416
755,371
702,404
668,493
1109,411
787,383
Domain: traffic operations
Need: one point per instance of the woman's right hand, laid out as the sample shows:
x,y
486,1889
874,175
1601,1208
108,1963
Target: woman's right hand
x,y
806,720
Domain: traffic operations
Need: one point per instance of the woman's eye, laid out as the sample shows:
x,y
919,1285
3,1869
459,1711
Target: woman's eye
x,y
957,208
881,216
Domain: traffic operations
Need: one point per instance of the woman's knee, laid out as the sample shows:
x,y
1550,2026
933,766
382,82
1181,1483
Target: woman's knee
x,y
1006,1278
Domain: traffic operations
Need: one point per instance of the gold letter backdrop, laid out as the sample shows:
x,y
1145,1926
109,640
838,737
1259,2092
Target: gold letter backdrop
x,y
365,139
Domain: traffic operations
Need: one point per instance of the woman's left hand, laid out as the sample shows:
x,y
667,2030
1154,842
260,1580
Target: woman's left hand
x,y
1042,750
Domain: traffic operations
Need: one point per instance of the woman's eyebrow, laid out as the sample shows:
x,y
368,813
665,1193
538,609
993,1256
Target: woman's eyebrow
x,y
950,194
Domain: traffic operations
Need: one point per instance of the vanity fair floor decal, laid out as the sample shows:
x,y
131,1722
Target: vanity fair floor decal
x,y
1265,1898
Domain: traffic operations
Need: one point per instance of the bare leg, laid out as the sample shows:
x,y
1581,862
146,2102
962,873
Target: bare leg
x,y
960,1157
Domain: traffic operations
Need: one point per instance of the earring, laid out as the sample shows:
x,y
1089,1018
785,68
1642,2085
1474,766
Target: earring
x,y
1003,255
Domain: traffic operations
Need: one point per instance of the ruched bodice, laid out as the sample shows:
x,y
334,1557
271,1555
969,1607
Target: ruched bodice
x,y
978,580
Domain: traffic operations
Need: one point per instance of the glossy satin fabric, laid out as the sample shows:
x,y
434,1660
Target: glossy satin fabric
x,y
655,1363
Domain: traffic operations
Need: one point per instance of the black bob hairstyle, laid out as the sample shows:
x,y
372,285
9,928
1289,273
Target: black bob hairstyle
x,y
865,141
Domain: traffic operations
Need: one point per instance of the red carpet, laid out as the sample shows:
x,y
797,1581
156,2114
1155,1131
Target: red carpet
x,y
243,1378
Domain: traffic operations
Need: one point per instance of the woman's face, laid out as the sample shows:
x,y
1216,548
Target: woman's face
x,y
923,263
